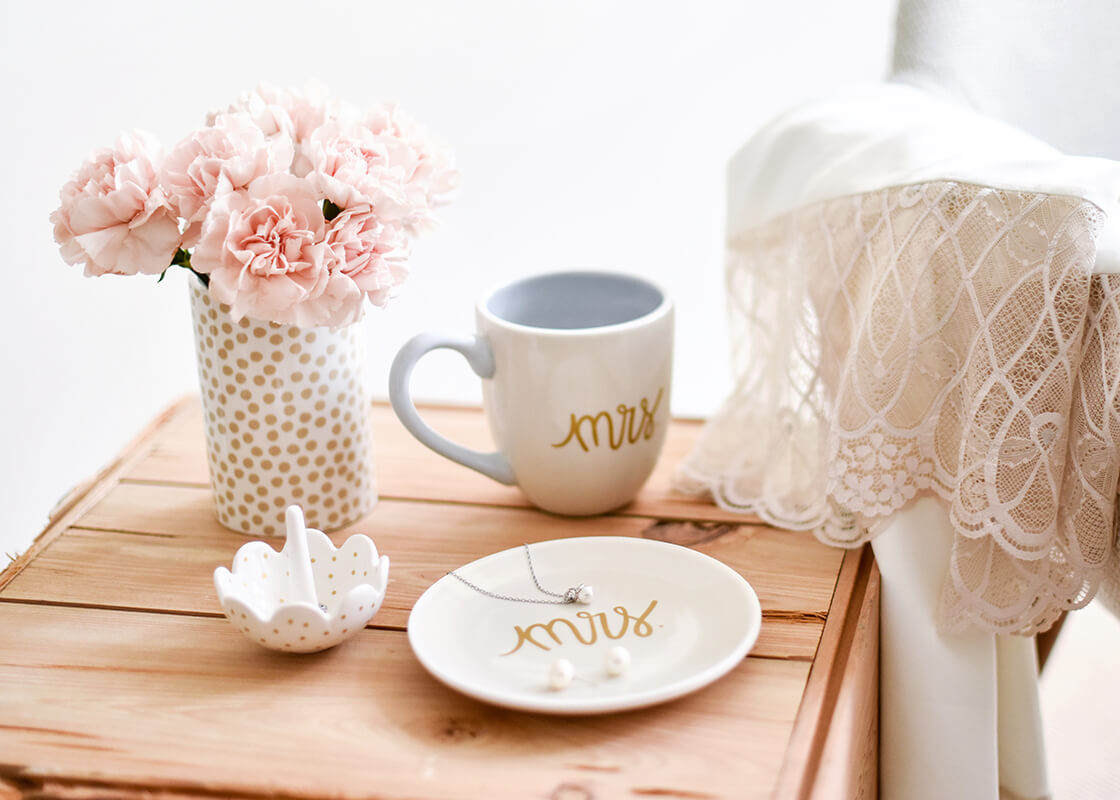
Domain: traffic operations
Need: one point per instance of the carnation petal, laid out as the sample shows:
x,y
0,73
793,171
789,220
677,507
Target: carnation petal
x,y
149,248
272,298
102,248
90,213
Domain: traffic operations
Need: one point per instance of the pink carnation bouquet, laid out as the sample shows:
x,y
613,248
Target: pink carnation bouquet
x,y
290,206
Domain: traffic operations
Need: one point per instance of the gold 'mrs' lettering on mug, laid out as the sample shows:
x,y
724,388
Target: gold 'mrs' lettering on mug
x,y
586,631
634,423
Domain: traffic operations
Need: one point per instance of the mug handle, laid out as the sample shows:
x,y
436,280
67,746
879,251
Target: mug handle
x,y
481,359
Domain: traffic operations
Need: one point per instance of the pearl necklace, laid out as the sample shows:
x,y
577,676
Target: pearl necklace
x,y
582,593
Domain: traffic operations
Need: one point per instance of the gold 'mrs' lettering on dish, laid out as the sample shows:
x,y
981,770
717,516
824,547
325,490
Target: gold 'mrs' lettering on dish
x,y
586,631
634,423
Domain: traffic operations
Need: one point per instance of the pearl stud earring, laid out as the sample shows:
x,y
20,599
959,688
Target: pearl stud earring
x,y
618,662
560,674
562,671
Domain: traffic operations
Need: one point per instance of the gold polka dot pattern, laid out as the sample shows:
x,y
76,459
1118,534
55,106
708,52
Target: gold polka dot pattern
x,y
286,420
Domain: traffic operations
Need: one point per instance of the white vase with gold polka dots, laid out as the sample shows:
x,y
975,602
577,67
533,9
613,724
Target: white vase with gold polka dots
x,y
286,420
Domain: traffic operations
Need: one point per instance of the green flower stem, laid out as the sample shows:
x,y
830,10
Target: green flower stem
x,y
183,259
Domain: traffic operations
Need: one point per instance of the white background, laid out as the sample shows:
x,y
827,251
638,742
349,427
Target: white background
x,y
589,134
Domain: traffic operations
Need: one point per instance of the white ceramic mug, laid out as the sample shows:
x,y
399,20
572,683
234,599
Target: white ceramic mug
x,y
576,370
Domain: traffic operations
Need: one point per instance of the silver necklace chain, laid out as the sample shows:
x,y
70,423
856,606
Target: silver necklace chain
x,y
575,594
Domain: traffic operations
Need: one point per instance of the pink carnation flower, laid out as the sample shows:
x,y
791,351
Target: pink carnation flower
x,y
212,161
265,253
433,174
351,166
249,192
295,113
372,253
114,217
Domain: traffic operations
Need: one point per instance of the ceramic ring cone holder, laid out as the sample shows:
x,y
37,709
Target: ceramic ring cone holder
x,y
307,597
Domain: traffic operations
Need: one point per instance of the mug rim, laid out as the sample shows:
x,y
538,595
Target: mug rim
x,y
659,311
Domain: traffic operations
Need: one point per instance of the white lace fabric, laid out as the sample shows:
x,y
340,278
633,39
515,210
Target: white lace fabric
x,y
941,338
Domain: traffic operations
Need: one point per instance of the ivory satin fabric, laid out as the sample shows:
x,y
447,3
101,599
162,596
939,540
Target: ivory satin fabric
x,y
925,311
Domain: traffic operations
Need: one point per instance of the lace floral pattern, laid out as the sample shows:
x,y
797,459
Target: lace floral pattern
x,y
943,338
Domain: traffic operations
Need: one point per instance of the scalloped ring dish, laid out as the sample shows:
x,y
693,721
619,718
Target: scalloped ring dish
x,y
308,596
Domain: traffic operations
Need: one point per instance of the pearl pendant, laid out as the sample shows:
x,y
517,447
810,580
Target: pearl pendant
x,y
618,661
560,674
585,595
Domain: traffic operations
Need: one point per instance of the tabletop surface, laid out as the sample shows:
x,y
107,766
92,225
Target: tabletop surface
x,y
119,675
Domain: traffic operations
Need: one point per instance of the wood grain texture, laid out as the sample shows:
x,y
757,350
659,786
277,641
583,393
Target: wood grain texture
x,y
186,704
156,547
849,765
854,610
80,499
407,469
119,677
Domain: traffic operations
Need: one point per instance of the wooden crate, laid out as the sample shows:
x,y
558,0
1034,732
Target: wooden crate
x,y
119,676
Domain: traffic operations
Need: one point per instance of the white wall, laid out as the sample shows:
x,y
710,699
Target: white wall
x,y
589,134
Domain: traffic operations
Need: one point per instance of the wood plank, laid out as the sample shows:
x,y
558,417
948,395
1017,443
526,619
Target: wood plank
x,y
134,700
407,469
849,765
856,586
75,675
155,547
9,791
86,495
